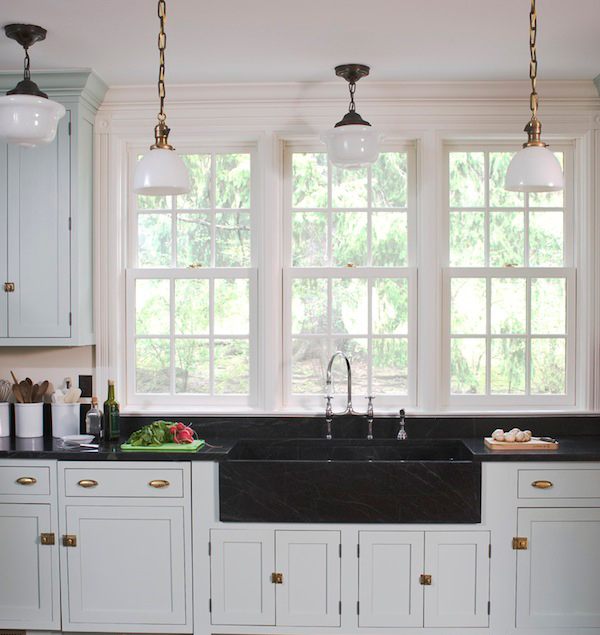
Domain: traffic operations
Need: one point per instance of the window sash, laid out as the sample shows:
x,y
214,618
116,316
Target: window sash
x,y
182,399
493,399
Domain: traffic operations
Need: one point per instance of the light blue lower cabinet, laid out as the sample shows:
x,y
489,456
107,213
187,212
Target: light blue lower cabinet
x,y
137,547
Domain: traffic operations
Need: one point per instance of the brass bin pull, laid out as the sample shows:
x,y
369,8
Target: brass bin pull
x,y
542,484
159,483
27,480
87,482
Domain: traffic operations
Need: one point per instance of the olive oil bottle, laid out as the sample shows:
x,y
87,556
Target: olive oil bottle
x,y
111,415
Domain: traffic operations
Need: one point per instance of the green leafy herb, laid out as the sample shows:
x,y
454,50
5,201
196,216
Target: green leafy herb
x,y
155,433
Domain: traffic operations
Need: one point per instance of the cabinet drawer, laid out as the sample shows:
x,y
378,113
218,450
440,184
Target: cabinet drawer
x,y
24,480
115,482
584,483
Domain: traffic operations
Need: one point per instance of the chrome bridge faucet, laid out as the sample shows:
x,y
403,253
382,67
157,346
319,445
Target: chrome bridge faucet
x,y
329,414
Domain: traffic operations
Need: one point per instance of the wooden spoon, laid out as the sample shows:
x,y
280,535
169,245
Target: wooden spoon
x,y
17,393
42,389
25,391
34,393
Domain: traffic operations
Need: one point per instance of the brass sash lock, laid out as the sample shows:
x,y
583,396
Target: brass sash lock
x,y
277,578
425,579
69,540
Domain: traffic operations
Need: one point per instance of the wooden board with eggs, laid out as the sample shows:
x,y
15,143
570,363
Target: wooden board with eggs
x,y
517,439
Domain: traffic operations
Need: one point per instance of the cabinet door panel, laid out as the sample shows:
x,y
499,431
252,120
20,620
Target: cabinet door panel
x,y
3,241
458,562
310,564
38,238
25,565
127,567
390,564
558,575
241,564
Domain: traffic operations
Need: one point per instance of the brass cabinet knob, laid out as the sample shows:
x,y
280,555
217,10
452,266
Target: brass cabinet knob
x,y
87,482
277,578
69,540
27,480
425,579
158,483
542,484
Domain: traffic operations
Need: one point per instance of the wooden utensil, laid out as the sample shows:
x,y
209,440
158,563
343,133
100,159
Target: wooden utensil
x,y
34,392
42,389
17,393
25,391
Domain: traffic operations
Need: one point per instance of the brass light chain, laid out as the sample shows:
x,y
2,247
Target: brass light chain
x,y
162,43
533,100
161,131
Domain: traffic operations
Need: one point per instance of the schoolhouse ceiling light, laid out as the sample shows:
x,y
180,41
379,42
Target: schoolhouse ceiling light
x,y
534,168
27,117
161,171
353,143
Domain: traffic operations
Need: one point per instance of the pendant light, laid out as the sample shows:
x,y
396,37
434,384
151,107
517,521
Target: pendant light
x,y
534,168
353,143
27,117
161,171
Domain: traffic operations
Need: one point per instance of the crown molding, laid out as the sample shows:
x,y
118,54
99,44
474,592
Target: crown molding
x,y
551,91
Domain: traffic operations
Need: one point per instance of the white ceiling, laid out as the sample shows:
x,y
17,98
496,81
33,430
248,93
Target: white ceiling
x,y
285,40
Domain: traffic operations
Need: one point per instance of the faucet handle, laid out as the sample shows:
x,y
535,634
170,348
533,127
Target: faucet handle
x,y
402,436
370,406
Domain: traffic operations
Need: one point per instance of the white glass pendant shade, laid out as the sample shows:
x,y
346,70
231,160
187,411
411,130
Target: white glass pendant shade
x,y
534,169
352,146
29,120
161,172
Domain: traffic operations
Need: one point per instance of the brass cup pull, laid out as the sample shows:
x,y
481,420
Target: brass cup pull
x,y
87,482
158,483
27,480
542,484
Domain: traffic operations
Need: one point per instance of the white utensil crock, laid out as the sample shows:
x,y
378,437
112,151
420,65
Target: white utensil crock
x,y
29,420
65,419
4,419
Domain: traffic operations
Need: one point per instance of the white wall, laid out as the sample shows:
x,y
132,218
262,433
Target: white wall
x,y
51,363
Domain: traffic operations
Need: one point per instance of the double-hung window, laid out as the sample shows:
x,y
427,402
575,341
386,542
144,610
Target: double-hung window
x,y
509,284
191,286
349,276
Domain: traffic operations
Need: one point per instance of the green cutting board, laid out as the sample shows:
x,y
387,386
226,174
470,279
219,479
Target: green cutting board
x,y
165,447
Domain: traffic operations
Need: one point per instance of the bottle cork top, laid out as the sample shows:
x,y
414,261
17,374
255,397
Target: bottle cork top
x,y
94,401
111,382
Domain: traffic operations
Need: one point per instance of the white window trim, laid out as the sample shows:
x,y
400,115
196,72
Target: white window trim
x,y
268,116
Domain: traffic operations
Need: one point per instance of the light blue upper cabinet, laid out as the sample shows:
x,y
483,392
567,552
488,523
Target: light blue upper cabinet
x,y
46,223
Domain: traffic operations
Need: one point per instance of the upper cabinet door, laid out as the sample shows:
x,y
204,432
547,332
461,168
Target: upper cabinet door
x,y
3,240
26,577
309,593
38,238
241,563
390,564
126,572
458,562
558,575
